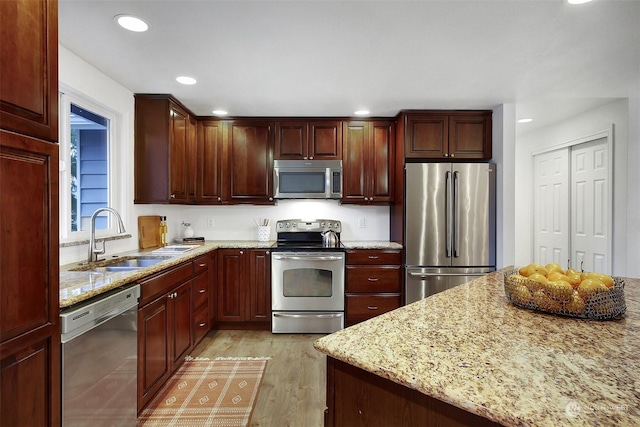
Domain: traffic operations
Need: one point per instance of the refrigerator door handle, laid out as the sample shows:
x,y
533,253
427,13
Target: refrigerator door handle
x,y
448,213
456,213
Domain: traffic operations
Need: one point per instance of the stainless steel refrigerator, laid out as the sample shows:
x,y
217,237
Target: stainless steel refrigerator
x,y
449,225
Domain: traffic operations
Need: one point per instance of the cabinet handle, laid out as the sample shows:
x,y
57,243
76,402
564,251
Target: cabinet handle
x,y
271,199
310,157
305,158
371,199
170,296
202,324
373,257
372,307
372,279
452,155
203,265
241,252
202,291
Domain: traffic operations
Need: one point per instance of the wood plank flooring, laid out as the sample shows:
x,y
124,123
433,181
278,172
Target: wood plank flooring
x,y
293,388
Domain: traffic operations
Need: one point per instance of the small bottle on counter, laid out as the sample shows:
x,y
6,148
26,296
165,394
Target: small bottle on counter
x,y
163,231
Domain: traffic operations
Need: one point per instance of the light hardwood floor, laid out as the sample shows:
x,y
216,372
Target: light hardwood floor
x,y
293,387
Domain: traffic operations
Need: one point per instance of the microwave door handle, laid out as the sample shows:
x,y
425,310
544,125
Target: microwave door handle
x,y
327,183
276,184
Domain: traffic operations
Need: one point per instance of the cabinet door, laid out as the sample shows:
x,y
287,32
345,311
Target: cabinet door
x,y
29,68
154,360
232,294
260,285
181,323
178,137
251,162
426,135
325,140
381,167
191,161
355,161
29,294
210,140
292,138
470,136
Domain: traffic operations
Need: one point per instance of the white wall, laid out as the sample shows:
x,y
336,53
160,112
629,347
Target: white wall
x,y
616,113
230,222
633,180
504,119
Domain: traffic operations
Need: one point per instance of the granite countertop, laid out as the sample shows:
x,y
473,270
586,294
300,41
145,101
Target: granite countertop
x,y
371,244
469,347
78,286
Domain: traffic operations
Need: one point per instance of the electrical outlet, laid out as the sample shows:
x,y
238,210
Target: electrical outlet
x,y
210,222
361,222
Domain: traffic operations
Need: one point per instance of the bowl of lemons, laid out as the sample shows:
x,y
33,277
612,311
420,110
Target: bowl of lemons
x,y
551,289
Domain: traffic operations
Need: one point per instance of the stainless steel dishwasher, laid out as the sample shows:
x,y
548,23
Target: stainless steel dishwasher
x,y
99,361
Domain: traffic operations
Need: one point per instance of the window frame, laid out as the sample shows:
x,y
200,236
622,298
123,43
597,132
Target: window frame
x,y
68,96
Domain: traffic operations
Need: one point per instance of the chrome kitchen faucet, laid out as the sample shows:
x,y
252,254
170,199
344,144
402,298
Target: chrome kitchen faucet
x,y
93,252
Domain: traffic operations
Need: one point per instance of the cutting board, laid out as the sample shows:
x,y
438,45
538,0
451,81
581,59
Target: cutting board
x,y
149,231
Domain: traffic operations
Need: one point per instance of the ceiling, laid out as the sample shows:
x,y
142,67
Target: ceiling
x,y
330,58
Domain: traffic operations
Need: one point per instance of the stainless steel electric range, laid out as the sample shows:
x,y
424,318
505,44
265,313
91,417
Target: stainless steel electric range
x,y
307,277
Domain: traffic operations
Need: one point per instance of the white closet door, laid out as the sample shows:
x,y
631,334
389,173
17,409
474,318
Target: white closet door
x,y
551,207
591,207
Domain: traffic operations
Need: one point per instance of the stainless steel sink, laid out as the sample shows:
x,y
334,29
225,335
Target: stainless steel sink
x,y
123,264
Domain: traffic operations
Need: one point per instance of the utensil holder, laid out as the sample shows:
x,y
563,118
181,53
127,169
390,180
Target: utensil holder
x,y
264,233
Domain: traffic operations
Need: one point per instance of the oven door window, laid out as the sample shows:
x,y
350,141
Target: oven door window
x,y
307,282
302,182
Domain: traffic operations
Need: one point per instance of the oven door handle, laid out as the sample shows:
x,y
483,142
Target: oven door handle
x,y
306,258
319,316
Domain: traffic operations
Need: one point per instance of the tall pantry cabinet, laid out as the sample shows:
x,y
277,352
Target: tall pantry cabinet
x,y
29,270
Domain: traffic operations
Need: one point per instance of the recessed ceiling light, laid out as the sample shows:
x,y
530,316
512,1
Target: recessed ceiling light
x,y
220,112
578,1
186,80
131,23
525,120
361,112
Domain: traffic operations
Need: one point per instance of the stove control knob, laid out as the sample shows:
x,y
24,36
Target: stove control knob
x,y
288,225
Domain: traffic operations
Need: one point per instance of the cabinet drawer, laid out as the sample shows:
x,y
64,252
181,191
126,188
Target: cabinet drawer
x,y
153,287
367,306
364,278
201,290
378,256
201,324
201,264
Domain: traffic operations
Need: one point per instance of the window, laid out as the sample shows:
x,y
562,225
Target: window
x,y
87,181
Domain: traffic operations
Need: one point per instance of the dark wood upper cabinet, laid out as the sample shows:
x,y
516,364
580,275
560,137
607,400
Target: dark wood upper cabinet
x,y
300,139
250,161
368,161
448,135
29,68
209,157
29,218
164,150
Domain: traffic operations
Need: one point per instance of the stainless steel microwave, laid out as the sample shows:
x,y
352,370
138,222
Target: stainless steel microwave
x,y
307,179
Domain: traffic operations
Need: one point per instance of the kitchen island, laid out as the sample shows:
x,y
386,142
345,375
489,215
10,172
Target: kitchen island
x,y
467,356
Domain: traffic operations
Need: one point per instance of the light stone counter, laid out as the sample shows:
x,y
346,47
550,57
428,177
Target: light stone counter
x,y
78,286
371,244
469,347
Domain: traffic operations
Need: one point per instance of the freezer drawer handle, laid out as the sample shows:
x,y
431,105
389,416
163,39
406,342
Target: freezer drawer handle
x,y
425,275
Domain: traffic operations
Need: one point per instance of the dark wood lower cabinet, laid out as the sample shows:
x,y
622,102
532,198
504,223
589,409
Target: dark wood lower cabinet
x,y
359,398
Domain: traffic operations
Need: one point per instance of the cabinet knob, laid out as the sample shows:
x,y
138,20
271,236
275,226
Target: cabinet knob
x,y
271,199
173,196
241,252
446,154
268,252
310,157
202,291
371,199
366,198
219,198
452,155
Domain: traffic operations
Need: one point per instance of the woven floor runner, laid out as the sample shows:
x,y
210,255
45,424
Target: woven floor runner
x,y
207,393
